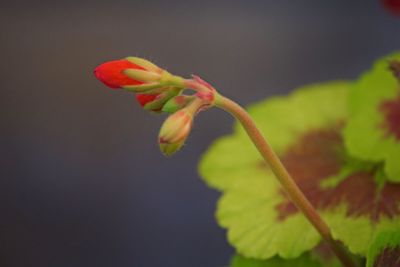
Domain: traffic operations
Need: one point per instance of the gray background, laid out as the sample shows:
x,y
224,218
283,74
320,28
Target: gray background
x,y
82,182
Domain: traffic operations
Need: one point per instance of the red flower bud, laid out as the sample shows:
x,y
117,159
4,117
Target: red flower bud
x,y
153,85
111,73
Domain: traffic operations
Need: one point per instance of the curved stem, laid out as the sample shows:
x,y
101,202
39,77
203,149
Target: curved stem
x,y
287,182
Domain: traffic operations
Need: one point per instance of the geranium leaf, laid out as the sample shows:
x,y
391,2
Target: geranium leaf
x,y
250,205
305,129
282,120
385,250
372,132
304,260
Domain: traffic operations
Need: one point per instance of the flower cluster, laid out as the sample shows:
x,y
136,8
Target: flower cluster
x,y
159,91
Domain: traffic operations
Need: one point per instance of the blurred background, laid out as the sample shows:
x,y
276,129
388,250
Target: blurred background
x,y
82,182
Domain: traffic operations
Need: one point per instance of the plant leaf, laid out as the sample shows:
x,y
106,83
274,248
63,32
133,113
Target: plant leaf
x,y
304,260
385,250
281,120
368,134
304,129
248,207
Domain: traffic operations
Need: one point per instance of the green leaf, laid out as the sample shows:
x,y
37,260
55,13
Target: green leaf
x,y
385,250
304,260
357,232
248,207
254,228
261,222
281,120
365,135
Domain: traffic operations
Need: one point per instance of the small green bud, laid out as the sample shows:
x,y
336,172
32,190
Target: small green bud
x,y
157,105
177,103
174,131
170,149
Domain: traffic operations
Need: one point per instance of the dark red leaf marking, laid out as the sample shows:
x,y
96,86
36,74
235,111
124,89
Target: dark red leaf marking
x,y
389,257
315,157
391,111
394,67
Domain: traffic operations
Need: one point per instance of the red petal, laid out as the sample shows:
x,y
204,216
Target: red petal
x,y
110,73
143,99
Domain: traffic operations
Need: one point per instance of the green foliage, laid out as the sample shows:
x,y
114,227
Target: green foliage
x,y
281,120
381,248
304,260
248,208
365,137
357,233
251,192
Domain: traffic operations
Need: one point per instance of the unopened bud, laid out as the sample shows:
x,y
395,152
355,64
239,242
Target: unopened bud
x,y
174,131
136,74
111,73
156,102
152,80
177,103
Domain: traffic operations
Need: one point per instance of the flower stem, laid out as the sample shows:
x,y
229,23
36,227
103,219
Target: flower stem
x,y
287,182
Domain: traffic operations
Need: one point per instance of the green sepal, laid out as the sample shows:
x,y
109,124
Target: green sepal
x,y
142,88
144,63
142,75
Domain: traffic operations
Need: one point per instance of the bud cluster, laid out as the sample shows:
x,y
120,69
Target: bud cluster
x,y
158,91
